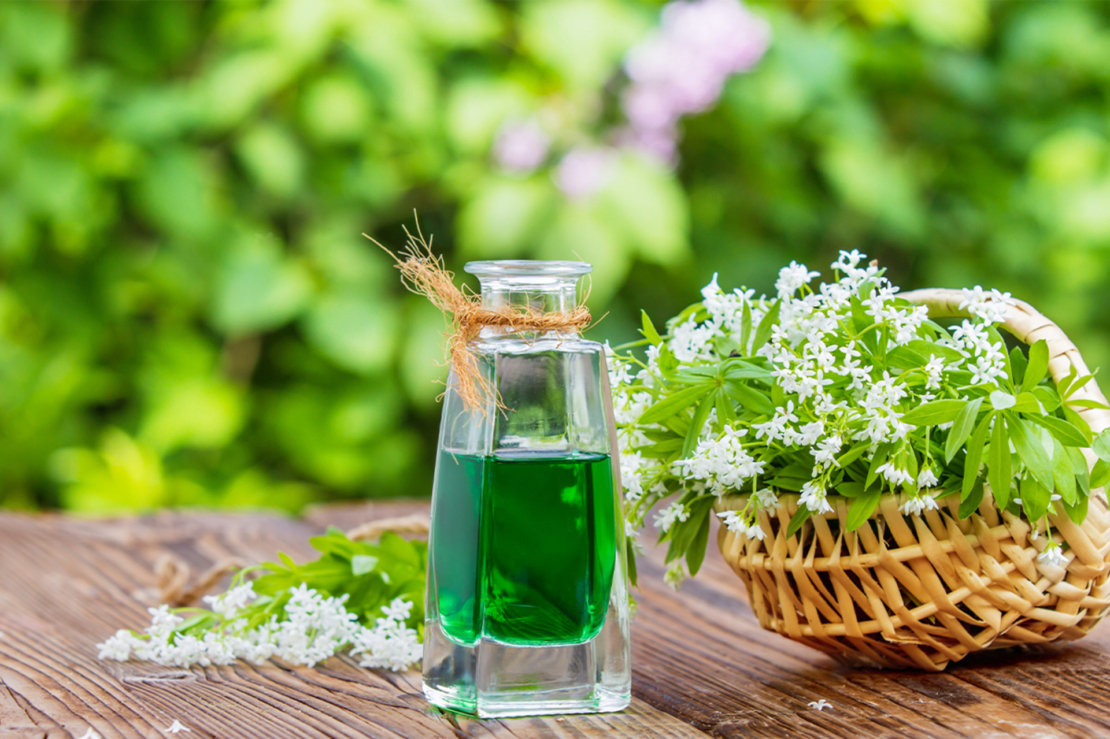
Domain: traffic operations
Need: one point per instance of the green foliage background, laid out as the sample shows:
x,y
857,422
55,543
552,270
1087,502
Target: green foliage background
x,y
188,314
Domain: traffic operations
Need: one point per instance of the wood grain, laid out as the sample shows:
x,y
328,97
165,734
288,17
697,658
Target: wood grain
x,y
701,663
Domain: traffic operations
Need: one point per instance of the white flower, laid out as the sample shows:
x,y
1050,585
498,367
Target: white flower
x,y
666,518
934,369
813,498
793,277
927,478
733,521
675,575
826,451
1053,556
90,734
176,728
893,475
390,643
916,505
775,428
766,498
820,705
119,646
231,602
738,525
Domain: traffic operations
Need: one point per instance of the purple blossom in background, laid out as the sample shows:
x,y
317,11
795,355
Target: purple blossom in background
x,y
679,69
682,68
521,146
584,171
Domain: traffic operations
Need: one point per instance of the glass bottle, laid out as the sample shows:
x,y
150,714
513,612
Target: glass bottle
x,y
527,604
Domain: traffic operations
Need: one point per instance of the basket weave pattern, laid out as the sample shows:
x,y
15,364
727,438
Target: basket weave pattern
x,y
925,591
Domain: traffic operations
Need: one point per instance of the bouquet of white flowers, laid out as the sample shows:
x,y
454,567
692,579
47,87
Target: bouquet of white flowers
x,y
843,390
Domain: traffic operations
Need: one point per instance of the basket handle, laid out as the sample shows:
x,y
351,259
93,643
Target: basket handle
x,y
1028,325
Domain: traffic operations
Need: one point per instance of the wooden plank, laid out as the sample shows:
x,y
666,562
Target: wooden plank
x,y
67,584
701,662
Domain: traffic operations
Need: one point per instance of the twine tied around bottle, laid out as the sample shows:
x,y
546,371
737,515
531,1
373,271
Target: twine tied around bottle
x,y
423,273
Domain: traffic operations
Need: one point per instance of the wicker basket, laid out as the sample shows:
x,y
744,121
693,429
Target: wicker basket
x,y
925,591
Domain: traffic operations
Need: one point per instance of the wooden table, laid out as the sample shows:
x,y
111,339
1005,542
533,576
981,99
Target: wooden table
x,y
701,664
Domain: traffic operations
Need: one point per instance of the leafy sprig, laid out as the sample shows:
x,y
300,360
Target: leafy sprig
x,y
367,596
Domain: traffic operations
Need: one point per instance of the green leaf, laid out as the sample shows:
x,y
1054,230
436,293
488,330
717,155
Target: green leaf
x,y
1030,450
1078,512
1100,474
1000,401
259,289
645,204
970,501
363,563
999,471
749,398
1082,473
745,327
1019,363
962,428
695,555
1101,445
800,517
1087,403
630,557
354,330
1050,400
1063,385
1027,403
1077,420
1065,432
1075,386
1035,497
763,332
934,413
974,458
648,329
676,403
852,454
1063,474
1038,365
850,489
726,412
862,507
697,424
877,461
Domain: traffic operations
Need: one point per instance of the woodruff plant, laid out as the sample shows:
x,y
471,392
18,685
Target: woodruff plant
x,y
843,389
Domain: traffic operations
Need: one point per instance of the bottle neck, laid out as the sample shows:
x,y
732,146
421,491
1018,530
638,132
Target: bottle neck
x,y
522,285
542,294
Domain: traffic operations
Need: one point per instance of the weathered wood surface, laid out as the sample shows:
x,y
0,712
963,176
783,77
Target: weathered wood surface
x,y
701,663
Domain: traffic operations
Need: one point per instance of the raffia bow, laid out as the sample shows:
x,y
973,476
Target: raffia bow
x,y
424,274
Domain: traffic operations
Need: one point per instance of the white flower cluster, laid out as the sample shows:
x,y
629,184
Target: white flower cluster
x,y
823,352
722,463
314,628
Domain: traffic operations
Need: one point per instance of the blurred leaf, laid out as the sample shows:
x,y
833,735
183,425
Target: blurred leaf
x,y
273,158
336,109
479,106
579,234
200,412
259,289
503,217
582,40
951,22
353,330
455,23
648,206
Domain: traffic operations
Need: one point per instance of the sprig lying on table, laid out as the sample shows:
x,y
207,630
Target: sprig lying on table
x,y
368,597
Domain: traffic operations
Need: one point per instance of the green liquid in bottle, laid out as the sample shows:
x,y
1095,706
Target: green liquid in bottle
x,y
523,546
